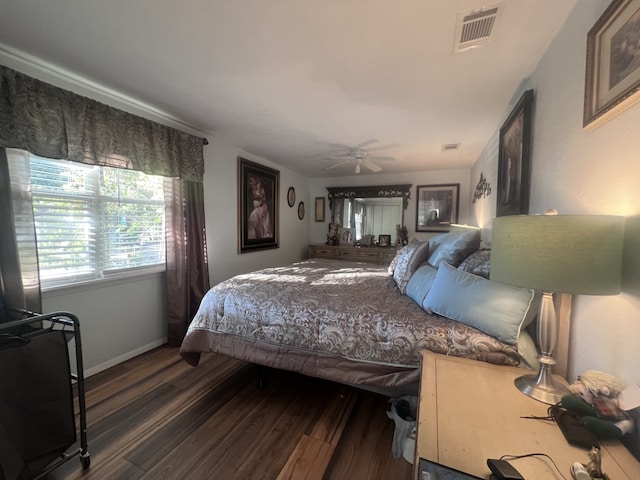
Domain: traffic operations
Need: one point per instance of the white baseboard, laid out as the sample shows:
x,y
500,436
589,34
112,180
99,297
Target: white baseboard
x,y
124,357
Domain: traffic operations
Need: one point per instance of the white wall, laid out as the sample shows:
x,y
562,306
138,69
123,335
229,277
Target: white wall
x,y
221,214
119,319
318,230
577,171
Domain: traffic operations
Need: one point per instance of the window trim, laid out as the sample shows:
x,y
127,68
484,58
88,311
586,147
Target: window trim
x,y
140,274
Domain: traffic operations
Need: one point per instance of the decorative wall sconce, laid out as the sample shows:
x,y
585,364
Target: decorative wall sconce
x,y
483,189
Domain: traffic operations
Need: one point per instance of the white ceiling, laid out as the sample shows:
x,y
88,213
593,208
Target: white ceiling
x,y
292,80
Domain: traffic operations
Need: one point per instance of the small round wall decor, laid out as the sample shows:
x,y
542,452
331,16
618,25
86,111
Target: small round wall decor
x,y
291,196
301,210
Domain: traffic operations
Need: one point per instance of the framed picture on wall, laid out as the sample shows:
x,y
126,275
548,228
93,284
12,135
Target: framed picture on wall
x,y
291,196
612,81
514,152
320,204
437,207
258,206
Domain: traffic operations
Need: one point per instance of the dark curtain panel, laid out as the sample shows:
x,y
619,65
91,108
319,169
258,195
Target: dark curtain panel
x,y
55,123
19,277
187,276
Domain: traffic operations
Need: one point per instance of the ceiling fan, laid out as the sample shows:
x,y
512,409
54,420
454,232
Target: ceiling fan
x,y
358,156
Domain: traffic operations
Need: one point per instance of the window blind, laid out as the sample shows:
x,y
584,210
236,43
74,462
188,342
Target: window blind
x,y
93,221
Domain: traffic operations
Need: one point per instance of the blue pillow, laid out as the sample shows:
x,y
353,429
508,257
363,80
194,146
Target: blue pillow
x,y
453,247
420,283
495,308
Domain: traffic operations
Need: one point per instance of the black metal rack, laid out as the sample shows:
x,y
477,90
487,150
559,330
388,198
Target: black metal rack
x,y
20,356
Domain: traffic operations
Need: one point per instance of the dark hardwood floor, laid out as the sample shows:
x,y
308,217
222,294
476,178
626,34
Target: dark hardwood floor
x,y
156,417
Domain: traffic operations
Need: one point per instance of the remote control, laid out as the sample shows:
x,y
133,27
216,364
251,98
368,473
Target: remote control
x,y
503,470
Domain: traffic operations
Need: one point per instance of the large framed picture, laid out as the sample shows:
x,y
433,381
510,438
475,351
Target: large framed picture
x,y
437,207
612,81
258,206
514,152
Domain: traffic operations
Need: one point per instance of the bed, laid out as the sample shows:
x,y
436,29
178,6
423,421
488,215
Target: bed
x,y
354,323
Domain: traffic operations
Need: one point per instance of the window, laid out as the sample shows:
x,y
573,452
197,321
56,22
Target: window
x,y
94,222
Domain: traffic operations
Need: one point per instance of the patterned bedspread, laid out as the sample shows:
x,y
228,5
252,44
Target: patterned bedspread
x,y
348,311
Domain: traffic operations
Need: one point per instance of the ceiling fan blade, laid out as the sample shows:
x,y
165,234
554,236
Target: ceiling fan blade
x,y
382,158
383,147
371,166
364,144
345,155
336,165
341,147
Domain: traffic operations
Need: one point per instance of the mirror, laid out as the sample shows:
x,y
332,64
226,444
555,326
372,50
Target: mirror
x,y
370,211
369,216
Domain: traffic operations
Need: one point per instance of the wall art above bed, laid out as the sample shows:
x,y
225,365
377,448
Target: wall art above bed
x,y
258,206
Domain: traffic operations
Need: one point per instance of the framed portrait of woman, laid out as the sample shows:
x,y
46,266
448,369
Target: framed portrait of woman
x,y
258,202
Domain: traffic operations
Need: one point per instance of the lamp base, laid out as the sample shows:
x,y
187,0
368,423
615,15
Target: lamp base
x,y
542,387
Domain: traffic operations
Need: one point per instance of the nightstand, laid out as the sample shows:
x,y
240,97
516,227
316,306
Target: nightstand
x,y
470,411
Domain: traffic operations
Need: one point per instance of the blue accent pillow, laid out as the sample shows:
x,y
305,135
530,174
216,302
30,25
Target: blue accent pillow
x,y
495,308
420,283
453,247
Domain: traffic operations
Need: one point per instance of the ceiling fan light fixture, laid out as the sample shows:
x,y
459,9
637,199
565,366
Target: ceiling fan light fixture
x,y
359,157
358,161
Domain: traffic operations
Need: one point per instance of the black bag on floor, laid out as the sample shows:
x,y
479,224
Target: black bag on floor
x,y
37,422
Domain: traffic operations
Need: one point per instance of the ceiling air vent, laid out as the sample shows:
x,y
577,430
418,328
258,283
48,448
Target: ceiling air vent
x,y
450,146
474,28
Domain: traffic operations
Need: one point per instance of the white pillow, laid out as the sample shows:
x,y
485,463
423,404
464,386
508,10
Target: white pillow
x,y
495,308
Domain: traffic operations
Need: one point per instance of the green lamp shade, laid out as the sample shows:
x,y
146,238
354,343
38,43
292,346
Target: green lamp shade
x,y
579,254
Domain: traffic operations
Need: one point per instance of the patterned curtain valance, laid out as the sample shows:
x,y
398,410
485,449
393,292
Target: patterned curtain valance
x,y
55,123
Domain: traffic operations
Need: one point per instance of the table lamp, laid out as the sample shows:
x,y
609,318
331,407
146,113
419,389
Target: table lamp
x,y
577,254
